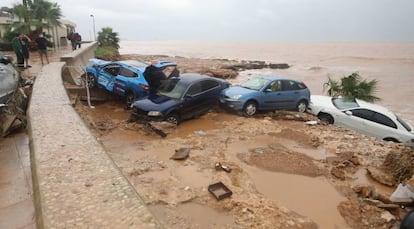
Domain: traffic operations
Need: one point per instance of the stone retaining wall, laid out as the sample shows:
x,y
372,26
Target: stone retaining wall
x,y
76,184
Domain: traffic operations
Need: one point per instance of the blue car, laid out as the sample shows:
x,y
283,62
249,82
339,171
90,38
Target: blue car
x,y
266,93
180,98
124,78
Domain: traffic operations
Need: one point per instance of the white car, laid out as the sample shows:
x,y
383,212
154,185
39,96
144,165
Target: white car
x,y
366,118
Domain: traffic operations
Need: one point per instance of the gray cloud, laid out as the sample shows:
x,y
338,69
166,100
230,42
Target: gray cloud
x,y
245,20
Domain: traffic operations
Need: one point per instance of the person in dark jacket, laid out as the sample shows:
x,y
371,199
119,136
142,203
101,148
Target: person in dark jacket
x,y
25,40
18,50
41,42
154,76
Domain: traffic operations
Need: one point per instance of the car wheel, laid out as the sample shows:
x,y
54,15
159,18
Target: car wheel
x,y
326,118
129,99
302,106
391,140
91,80
173,118
250,108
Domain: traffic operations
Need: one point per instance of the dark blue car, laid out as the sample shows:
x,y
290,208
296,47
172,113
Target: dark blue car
x,y
266,93
180,98
123,78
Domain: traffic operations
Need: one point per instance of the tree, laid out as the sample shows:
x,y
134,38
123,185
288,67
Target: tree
x,y
108,38
353,87
35,13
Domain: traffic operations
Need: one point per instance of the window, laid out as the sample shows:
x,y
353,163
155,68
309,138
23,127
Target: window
x,y
363,113
194,89
276,85
208,84
344,103
384,120
112,69
374,117
127,73
289,85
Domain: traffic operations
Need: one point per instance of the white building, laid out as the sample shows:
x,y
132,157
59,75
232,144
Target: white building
x,y
58,33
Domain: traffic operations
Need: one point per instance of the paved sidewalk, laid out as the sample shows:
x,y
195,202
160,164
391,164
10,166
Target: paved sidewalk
x,y
16,191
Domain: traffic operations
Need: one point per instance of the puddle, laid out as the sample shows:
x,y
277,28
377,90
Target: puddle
x,y
192,215
314,197
311,197
206,122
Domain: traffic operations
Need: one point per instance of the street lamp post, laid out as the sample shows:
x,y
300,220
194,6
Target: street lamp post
x,y
94,32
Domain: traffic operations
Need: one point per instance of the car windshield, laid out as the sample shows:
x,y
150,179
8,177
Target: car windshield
x,y
404,124
255,84
172,88
344,103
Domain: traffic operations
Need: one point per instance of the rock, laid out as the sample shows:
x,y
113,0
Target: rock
x,y
338,173
222,73
278,66
381,177
387,216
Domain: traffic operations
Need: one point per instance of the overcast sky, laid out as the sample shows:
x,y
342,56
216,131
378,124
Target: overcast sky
x,y
244,20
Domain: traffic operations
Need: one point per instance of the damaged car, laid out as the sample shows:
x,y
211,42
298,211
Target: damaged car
x,y
125,78
180,98
366,118
9,79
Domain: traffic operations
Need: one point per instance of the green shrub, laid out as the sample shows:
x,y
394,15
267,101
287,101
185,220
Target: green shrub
x,y
107,53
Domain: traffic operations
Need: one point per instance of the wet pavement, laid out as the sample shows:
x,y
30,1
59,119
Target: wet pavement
x,y
16,191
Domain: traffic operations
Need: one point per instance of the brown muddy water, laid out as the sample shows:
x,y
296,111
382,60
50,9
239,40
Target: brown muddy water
x,y
311,196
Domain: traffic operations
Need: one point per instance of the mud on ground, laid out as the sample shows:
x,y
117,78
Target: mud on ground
x,y
274,143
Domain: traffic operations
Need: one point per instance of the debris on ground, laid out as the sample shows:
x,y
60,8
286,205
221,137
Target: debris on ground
x,y
219,190
181,154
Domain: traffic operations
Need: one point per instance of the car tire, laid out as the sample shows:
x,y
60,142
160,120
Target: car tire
x,y
129,99
302,106
91,80
391,140
326,118
250,108
173,119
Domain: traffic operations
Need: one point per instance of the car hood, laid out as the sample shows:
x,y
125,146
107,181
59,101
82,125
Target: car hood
x,y
156,103
237,90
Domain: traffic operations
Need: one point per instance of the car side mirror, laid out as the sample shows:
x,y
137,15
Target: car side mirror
x,y
349,113
268,90
188,97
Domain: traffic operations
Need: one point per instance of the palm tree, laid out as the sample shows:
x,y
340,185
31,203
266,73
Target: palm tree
x,y
36,13
353,87
108,38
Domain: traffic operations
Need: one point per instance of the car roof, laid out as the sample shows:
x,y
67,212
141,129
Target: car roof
x,y
276,78
188,78
134,63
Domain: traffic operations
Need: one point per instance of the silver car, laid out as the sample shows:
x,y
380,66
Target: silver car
x,y
366,118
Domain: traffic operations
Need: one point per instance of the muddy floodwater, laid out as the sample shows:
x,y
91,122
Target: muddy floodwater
x,y
279,171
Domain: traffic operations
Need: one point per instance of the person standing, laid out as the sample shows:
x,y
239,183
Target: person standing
x,y
71,37
17,48
25,49
78,39
41,42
